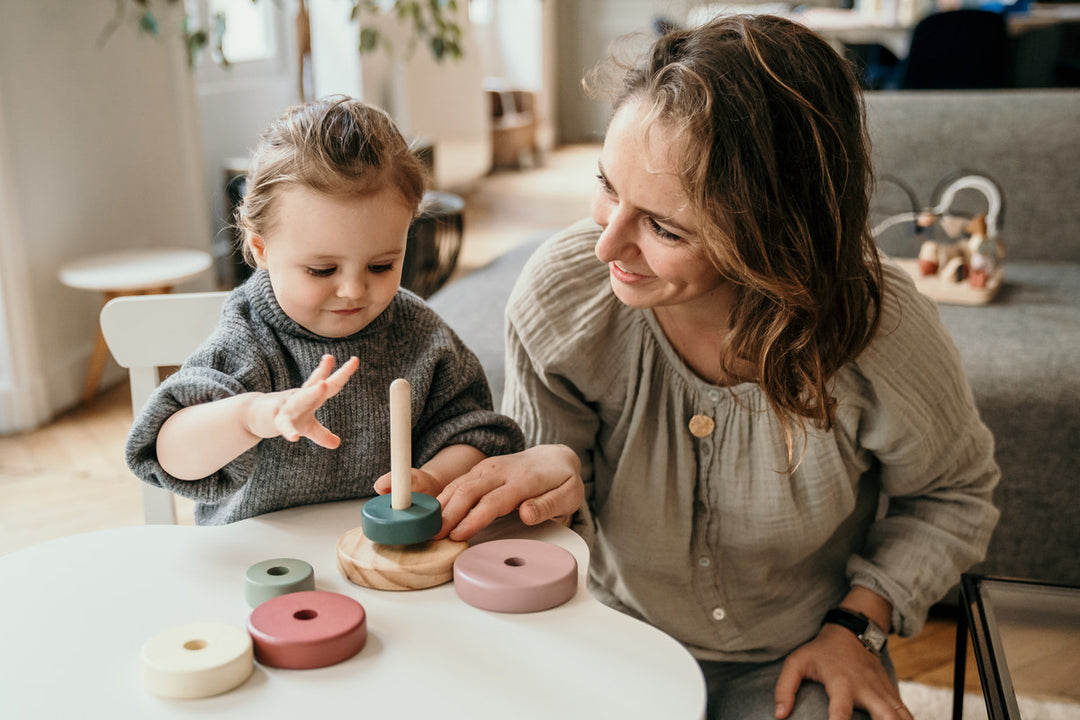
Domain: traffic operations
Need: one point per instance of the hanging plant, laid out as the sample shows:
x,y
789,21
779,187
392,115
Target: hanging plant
x,y
146,20
432,22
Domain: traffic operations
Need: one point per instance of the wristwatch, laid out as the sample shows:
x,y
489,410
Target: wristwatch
x,y
868,632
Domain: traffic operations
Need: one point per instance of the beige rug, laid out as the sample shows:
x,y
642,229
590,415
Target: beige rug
x,y
933,703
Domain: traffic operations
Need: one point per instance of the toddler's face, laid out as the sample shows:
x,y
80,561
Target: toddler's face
x,y
334,262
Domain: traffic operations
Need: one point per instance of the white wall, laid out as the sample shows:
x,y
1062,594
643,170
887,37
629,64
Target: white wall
x,y
235,106
99,151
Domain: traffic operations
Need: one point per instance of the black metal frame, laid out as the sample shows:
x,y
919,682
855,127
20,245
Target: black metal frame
x,y
977,617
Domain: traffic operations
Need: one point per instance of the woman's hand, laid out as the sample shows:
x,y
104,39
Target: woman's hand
x,y
852,676
291,413
544,482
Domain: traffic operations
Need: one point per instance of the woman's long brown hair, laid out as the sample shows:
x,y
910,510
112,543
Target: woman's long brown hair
x,y
776,160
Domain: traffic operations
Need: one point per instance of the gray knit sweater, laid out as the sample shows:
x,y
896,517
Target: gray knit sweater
x,y
257,347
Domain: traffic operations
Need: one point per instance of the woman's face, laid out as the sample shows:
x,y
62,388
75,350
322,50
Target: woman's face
x,y
650,239
334,262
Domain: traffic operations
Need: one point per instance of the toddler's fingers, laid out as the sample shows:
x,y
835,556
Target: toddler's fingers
x,y
342,375
321,371
322,437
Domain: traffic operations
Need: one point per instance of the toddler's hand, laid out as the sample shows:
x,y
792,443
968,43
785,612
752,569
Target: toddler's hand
x,y
291,413
422,482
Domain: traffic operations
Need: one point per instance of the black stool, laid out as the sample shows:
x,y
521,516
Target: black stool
x,y
434,242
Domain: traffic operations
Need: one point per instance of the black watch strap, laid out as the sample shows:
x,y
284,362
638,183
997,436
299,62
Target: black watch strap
x,y
868,632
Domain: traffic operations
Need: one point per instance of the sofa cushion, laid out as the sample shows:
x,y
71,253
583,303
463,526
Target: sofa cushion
x,y
473,306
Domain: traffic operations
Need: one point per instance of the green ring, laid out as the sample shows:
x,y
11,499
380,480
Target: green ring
x,y
418,523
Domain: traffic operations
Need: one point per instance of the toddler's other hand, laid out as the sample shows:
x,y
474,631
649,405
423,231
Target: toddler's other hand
x,y
291,413
422,482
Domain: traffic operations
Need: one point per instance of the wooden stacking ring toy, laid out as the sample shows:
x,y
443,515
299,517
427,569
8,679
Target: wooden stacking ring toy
x,y
308,629
515,576
392,549
270,578
197,660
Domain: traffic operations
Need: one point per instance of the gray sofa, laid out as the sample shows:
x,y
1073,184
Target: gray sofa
x,y
1021,352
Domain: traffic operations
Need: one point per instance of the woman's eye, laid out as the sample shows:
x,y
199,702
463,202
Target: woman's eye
x,y
381,268
661,232
604,184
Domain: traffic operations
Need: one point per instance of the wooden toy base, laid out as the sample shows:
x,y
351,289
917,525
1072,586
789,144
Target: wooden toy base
x,y
953,293
396,567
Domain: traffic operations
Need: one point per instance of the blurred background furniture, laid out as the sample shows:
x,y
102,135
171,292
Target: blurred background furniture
x,y
434,243
148,271
958,49
513,126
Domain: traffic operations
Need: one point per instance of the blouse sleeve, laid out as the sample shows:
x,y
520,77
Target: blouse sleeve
x,y
936,458
552,367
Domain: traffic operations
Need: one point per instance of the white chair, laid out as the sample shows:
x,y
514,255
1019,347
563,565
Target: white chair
x,y
149,332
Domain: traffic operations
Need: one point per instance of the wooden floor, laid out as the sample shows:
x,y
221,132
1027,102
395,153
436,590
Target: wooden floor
x,y
69,476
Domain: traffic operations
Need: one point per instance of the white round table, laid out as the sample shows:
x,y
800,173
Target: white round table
x,y
148,271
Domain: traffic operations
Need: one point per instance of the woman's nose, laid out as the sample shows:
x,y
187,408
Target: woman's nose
x,y
615,237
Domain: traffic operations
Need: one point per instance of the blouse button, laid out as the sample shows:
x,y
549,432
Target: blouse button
x,y
714,395
701,426
718,614
704,561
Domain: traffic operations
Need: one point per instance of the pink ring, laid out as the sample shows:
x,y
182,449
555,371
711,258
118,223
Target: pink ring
x,y
308,629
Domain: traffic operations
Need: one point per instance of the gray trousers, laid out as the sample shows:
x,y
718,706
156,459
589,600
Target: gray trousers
x,y
746,691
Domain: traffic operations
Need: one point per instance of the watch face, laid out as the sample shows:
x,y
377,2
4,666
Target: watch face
x,y
874,637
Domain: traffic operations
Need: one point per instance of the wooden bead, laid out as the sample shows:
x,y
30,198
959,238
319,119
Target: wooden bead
x,y
197,660
385,524
396,567
271,578
701,426
308,629
515,576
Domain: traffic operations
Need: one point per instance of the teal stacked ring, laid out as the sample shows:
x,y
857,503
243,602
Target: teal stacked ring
x,y
279,576
382,523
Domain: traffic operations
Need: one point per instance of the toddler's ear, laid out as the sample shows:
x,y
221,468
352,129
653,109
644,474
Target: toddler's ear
x,y
258,249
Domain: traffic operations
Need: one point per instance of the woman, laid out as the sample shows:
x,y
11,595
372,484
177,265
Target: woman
x,y
780,458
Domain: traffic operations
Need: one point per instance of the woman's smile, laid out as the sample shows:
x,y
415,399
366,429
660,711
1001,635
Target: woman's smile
x,y
626,276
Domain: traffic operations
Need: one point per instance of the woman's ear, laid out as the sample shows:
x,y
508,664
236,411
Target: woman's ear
x,y
257,246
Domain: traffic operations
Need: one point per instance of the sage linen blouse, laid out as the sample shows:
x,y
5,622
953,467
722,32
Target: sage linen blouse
x,y
709,538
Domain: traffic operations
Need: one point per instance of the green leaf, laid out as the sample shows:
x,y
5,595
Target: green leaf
x,y
369,39
148,23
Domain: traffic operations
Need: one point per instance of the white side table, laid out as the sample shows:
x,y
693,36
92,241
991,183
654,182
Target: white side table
x,y
151,271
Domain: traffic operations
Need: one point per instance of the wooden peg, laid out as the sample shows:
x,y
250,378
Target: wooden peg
x,y
400,444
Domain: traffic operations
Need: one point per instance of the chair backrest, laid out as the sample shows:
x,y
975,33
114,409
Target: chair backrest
x,y
957,50
146,333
